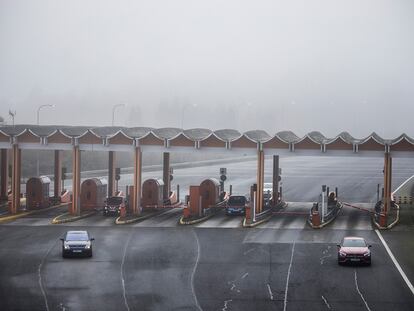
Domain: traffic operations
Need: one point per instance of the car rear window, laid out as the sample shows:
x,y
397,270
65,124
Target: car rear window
x,y
237,200
114,200
354,243
77,236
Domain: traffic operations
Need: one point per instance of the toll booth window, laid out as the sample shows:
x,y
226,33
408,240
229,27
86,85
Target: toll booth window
x,y
33,194
150,194
88,195
207,195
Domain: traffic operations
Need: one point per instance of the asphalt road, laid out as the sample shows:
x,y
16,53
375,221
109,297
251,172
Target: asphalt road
x,y
217,265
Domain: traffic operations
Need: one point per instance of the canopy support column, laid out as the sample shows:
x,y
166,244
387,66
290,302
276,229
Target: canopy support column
x,y
111,173
58,174
16,176
4,175
76,177
166,176
260,181
136,204
275,184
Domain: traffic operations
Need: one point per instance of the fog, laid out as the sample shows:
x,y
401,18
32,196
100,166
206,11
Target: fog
x,y
306,65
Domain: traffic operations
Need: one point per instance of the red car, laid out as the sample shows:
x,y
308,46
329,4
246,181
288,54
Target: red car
x,y
354,250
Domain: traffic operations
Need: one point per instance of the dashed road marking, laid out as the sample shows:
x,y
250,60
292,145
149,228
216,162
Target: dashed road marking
x,y
225,304
359,292
122,272
194,270
326,303
39,272
270,292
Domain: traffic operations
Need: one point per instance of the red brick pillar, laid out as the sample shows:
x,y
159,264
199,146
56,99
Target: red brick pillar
x,y
58,174
4,176
111,173
76,176
16,175
136,206
195,201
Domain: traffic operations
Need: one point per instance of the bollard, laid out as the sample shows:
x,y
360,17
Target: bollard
x,y
186,212
336,192
248,215
231,189
327,192
316,220
123,211
383,220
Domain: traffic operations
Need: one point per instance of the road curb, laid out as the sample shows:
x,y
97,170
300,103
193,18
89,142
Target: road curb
x,y
266,219
254,224
57,219
327,222
118,220
195,221
390,226
23,214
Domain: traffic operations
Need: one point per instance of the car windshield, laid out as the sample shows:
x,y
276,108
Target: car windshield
x,y
237,200
115,200
267,185
77,236
354,243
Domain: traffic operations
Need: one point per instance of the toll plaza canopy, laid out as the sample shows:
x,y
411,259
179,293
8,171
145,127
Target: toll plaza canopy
x,y
108,138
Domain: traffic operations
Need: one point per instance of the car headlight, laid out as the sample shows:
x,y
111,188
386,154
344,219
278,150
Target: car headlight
x,y
66,246
88,246
342,254
367,254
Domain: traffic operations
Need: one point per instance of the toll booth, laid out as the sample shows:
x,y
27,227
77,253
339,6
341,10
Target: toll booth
x,y
152,193
93,193
37,192
209,192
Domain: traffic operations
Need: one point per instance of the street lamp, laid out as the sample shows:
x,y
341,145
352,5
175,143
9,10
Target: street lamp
x,y
37,154
182,113
113,111
40,107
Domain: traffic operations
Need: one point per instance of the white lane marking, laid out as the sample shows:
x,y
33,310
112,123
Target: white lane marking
x,y
359,292
244,275
122,272
270,292
326,303
397,265
288,276
225,304
402,185
39,272
194,270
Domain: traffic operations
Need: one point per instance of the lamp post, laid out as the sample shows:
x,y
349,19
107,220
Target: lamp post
x,y
113,111
37,154
182,113
40,107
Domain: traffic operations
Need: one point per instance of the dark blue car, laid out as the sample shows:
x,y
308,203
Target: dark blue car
x,y
236,205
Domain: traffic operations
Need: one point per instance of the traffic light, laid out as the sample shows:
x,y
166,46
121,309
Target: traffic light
x,y
117,173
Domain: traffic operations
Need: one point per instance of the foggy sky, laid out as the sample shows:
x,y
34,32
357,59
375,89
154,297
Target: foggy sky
x,y
274,65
